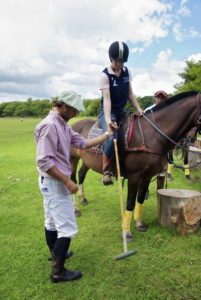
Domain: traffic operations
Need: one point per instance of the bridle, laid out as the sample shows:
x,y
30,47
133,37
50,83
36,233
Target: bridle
x,y
198,117
197,124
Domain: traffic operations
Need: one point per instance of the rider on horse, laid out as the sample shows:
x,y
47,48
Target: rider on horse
x,y
115,84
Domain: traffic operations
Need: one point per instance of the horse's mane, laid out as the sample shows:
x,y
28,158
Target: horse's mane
x,y
173,99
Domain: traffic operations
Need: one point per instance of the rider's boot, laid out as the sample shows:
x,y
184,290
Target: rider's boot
x,y
107,170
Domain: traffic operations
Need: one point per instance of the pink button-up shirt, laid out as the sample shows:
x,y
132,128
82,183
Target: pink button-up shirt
x,y
54,138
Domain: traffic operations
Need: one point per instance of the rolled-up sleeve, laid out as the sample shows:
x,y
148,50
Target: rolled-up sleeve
x,y
77,140
46,147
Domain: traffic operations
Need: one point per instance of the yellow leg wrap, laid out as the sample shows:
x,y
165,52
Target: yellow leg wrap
x,y
170,167
187,170
138,212
127,220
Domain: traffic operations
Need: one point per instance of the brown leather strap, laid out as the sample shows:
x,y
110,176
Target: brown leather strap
x,y
143,148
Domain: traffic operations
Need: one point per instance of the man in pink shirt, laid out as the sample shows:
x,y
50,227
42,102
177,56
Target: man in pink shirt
x,y
53,138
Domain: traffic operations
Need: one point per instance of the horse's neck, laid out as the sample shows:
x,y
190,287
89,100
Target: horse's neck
x,y
177,119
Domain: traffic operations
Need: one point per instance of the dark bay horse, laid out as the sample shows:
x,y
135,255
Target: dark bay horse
x,y
146,154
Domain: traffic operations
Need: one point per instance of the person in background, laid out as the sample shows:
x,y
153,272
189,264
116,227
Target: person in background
x,y
116,88
54,137
159,97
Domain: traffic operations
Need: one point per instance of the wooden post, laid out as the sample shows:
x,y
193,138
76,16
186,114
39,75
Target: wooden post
x,y
180,209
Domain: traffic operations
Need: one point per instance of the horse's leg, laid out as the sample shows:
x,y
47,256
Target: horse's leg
x,y
142,189
161,178
186,166
81,177
74,163
160,182
127,217
170,167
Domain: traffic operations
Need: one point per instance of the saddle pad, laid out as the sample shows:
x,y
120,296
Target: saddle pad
x,y
94,132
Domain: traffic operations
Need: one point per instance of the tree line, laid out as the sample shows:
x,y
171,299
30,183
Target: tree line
x,y
41,107
191,80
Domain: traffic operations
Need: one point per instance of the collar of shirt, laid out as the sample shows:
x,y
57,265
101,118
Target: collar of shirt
x,y
55,116
110,71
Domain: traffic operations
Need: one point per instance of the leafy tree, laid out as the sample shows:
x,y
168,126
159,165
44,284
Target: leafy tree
x,y
143,102
191,77
93,108
146,101
2,107
22,109
9,109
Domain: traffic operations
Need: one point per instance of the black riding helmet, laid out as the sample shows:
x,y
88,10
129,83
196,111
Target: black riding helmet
x,y
119,51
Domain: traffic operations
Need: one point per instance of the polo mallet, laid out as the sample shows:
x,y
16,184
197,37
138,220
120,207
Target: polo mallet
x,y
126,253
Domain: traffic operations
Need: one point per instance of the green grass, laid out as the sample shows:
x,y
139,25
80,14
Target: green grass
x,y
167,265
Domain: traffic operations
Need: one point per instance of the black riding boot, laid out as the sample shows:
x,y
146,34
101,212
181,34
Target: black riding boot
x,y
51,237
59,273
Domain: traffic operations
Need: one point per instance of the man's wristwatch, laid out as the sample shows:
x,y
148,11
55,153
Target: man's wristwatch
x,y
107,134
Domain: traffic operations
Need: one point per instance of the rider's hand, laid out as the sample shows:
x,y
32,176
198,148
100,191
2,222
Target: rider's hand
x,y
139,112
111,126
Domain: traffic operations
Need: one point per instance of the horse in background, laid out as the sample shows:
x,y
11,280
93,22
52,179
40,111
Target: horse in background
x,y
189,139
145,155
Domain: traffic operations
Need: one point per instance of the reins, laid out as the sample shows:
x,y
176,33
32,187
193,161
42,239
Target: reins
x,y
172,141
168,138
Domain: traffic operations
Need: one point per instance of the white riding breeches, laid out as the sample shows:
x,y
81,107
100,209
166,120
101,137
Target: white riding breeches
x,y
58,207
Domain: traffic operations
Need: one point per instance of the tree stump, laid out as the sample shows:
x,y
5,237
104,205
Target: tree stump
x,y
194,159
180,209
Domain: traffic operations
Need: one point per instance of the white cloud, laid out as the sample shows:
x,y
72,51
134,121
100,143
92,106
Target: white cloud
x,y
50,45
183,9
163,75
195,57
194,33
179,32
137,50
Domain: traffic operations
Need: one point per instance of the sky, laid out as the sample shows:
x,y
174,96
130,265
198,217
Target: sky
x,y
48,46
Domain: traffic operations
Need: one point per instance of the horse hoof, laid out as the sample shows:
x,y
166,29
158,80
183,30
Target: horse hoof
x,y
193,180
142,227
169,177
129,237
188,178
77,212
84,201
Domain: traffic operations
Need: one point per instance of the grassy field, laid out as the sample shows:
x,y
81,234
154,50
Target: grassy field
x,y
167,265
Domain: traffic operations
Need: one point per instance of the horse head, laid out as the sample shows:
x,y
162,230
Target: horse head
x,y
198,116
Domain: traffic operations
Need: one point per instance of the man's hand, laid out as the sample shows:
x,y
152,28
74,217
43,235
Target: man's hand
x,y
110,126
73,188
